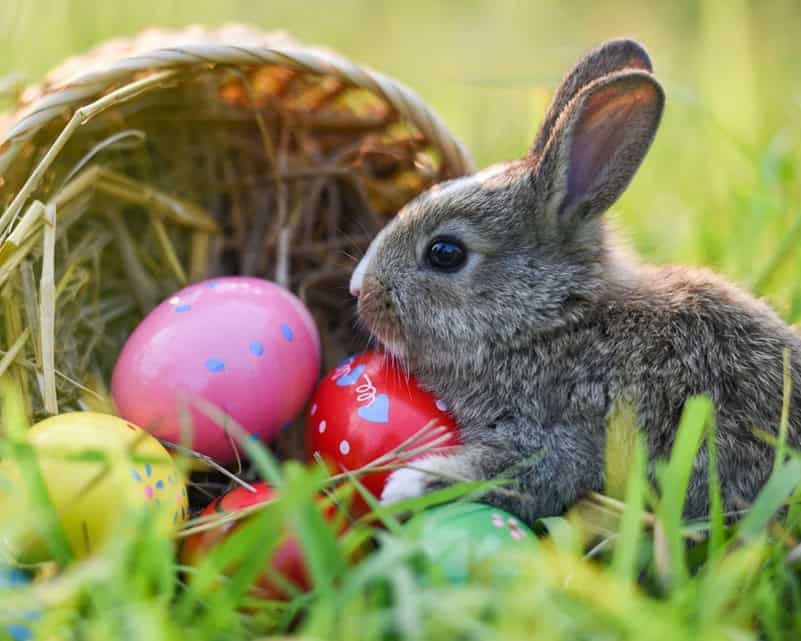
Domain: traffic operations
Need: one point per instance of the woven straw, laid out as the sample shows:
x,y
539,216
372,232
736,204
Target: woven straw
x,y
118,62
161,159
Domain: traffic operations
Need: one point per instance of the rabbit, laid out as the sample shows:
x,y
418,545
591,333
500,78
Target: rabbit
x,y
509,297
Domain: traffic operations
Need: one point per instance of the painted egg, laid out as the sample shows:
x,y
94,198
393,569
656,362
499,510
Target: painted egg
x,y
245,345
15,626
96,468
287,560
365,408
458,535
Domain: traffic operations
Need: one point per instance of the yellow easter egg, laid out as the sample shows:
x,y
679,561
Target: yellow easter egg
x,y
97,468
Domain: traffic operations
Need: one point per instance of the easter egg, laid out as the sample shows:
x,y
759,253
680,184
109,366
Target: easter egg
x,y
96,468
17,629
365,408
244,345
287,560
458,535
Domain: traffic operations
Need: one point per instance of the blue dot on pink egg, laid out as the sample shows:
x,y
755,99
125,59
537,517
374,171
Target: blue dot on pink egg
x,y
256,348
286,330
185,307
211,285
215,364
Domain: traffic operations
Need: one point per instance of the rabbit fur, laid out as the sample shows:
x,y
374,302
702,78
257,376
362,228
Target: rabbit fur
x,y
550,323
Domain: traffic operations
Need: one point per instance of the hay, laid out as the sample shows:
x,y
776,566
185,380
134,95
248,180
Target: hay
x,y
169,157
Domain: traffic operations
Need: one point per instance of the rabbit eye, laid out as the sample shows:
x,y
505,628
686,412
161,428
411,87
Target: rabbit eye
x,y
446,254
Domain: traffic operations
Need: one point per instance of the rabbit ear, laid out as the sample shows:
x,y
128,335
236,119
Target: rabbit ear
x,y
613,55
598,143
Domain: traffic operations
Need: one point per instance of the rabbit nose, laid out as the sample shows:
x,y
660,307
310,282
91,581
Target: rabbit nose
x,y
357,280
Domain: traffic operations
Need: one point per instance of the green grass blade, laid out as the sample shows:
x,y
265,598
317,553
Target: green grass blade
x,y
781,445
674,479
47,521
773,496
716,521
621,444
624,562
319,543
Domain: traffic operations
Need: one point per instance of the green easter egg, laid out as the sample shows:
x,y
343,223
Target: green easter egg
x,y
458,535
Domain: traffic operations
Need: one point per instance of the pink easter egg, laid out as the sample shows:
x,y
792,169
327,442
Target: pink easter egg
x,y
245,345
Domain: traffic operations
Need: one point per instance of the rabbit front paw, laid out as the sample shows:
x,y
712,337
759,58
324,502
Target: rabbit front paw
x,y
403,484
409,483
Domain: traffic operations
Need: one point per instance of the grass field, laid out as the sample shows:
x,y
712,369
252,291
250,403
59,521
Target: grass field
x,y
721,187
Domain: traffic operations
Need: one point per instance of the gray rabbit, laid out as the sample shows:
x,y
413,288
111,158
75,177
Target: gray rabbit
x,y
506,294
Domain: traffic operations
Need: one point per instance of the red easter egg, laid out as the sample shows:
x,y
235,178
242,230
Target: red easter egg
x,y
288,557
364,408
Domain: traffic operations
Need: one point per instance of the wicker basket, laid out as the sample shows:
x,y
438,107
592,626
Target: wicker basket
x,y
171,156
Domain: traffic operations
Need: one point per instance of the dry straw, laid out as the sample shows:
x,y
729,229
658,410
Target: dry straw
x,y
158,160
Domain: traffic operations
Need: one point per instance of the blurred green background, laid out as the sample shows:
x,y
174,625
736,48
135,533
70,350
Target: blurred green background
x,y
721,185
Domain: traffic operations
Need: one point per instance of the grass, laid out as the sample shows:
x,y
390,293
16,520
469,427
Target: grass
x,y
647,576
720,188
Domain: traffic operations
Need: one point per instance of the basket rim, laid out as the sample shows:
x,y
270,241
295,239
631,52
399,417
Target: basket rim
x,y
209,50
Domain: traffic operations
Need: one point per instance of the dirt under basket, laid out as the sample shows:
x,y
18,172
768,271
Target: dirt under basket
x,y
159,160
